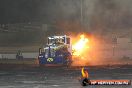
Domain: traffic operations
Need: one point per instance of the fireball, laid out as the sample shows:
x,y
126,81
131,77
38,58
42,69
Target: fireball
x,y
80,49
80,46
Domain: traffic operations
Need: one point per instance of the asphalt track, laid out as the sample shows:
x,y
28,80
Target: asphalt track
x,y
60,77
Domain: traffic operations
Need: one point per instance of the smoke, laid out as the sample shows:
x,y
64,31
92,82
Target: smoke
x,y
17,11
111,15
97,15
59,10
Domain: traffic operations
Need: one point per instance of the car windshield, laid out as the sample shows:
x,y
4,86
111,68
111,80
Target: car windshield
x,y
51,54
56,41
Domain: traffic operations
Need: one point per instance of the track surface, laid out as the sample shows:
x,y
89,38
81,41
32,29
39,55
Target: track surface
x,y
60,77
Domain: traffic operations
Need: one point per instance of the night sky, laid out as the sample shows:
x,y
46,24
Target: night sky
x,y
98,16
96,13
15,11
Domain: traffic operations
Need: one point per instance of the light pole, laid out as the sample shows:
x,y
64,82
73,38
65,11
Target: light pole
x,y
81,19
113,50
81,15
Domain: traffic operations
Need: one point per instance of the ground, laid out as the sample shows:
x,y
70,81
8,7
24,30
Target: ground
x,y
60,77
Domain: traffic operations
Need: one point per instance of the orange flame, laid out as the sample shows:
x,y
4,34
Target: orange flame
x,y
80,46
84,73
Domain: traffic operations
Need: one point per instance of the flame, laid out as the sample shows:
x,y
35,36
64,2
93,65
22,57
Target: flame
x,y
80,46
85,50
84,73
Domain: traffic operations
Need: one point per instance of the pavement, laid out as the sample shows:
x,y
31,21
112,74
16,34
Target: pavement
x,y
61,77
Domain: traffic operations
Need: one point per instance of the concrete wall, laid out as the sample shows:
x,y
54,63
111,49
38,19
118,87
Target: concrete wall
x,y
123,40
25,55
7,56
30,55
121,49
115,54
105,50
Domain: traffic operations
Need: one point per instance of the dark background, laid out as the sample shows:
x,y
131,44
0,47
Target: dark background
x,y
99,17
